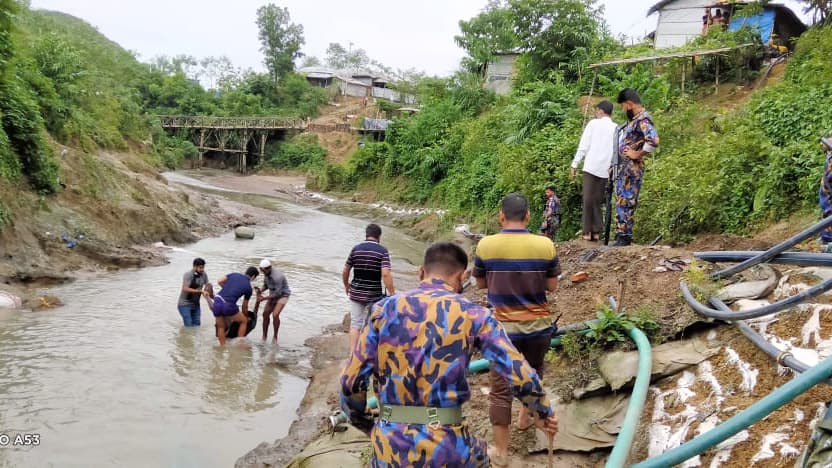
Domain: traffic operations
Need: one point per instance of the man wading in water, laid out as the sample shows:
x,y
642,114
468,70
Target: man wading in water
x,y
224,304
192,284
275,281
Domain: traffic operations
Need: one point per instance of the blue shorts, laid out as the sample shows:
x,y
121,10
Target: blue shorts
x,y
223,308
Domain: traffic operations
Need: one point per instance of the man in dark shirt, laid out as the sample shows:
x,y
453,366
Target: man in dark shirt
x,y
275,282
192,283
370,264
224,304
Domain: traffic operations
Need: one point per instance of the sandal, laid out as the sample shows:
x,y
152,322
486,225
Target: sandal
x,y
586,237
496,460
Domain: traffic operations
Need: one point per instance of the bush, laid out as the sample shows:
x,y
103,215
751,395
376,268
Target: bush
x,y
301,152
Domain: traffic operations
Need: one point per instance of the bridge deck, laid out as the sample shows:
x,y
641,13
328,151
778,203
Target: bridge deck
x,y
231,123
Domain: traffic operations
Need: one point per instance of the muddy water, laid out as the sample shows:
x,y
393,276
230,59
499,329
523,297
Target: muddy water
x,y
113,379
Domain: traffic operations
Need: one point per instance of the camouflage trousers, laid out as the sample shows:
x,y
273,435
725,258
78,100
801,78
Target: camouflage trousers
x,y
627,188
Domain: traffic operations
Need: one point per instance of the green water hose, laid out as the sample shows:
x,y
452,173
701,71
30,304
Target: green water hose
x,y
749,416
621,449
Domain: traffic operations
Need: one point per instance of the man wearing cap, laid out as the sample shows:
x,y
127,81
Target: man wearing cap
x,y
417,345
275,281
638,139
224,304
596,146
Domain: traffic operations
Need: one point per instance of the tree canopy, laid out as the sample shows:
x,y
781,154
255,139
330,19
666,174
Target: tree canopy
x,y
280,39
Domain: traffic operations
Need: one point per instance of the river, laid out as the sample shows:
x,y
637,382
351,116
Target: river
x,y
113,379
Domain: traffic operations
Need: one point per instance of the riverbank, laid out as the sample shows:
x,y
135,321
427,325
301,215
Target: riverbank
x,y
115,211
728,375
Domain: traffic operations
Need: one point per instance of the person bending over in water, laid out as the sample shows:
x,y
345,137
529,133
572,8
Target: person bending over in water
x,y
224,305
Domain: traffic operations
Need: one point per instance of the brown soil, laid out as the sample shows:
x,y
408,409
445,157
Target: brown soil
x,y
116,206
339,145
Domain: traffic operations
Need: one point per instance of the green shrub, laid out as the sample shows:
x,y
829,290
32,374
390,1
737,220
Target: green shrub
x,y
300,152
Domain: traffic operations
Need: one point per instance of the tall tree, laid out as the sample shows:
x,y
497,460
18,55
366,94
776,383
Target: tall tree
x,y
311,61
217,71
486,34
339,57
557,33
280,40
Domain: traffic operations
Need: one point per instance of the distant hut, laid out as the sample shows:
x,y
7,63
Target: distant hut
x,y
499,72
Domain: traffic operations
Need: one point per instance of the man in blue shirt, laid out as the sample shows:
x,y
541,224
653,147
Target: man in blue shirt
x,y
224,305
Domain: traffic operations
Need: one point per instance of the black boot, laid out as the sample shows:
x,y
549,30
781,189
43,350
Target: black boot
x,y
622,240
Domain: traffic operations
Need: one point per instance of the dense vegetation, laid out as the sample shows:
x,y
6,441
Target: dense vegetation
x,y
61,77
719,169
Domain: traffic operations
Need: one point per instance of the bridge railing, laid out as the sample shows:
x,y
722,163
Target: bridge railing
x,y
202,121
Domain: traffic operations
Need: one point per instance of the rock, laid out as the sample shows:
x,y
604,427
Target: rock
x,y
244,232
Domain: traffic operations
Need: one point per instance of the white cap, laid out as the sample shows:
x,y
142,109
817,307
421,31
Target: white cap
x,y
265,263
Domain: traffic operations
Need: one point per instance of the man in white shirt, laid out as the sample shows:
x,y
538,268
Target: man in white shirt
x,y
597,146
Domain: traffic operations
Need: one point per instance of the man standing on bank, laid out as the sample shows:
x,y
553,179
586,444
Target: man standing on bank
x,y
370,264
596,146
518,268
638,139
417,345
275,281
192,283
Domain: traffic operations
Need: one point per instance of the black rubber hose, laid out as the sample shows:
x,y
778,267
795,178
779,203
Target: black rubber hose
x,y
790,258
784,358
776,250
732,316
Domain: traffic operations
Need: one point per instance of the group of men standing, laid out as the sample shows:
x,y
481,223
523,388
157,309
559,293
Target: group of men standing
x,y
232,320
417,344
617,152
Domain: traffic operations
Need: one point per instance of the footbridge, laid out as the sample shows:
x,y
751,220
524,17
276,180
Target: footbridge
x,y
237,136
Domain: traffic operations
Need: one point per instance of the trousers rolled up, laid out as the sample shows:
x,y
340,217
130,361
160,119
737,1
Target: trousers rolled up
x,y
627,188
594,188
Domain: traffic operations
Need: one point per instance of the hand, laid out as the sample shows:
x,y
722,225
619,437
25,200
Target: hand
x,y
572,173
548,425
347,289
630,153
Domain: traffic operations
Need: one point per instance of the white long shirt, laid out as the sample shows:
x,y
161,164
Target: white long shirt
x,y
597,146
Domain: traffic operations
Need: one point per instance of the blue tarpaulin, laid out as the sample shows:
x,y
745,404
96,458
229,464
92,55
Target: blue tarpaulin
x,y
764,23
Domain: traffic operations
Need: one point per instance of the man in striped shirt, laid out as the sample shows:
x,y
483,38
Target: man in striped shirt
x,y
518,268
370,265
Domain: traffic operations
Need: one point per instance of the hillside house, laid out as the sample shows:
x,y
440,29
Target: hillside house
x,y
356,83
682,20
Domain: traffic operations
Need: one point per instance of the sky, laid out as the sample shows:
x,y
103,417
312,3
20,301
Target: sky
x,y
402,34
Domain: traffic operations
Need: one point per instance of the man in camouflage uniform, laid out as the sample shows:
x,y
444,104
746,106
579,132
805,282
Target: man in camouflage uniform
x,y
417,345
638,139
